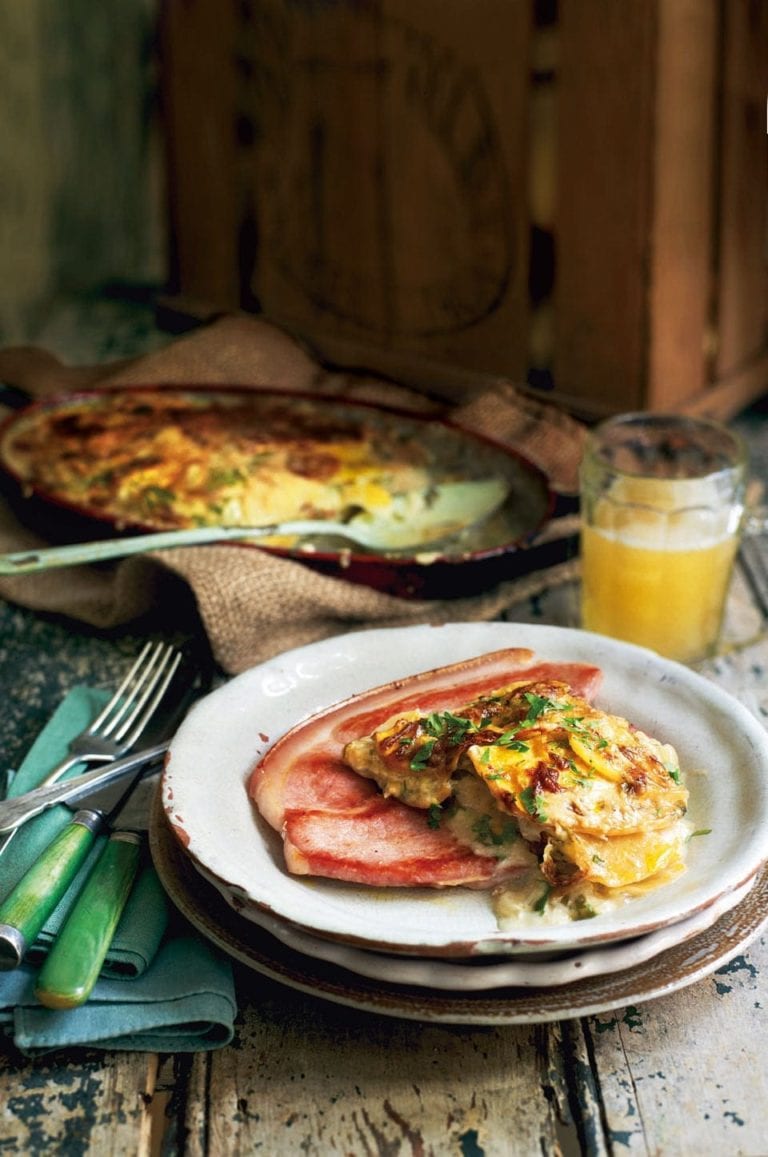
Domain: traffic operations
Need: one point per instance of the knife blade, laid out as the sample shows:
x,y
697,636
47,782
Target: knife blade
x,y
29,904
73,964
16,811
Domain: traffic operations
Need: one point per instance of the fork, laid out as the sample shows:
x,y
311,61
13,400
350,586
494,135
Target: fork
x,y
124,719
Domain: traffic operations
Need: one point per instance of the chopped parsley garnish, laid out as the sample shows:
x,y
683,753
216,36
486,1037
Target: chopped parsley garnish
x,y
508,740
581,909
531,801
444,725
103,477
674,773
575,724
541,904
488,833
225,476
537,705
422,756
156,496
433,816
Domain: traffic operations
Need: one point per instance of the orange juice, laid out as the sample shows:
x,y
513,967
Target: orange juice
x,y
662,505
664,597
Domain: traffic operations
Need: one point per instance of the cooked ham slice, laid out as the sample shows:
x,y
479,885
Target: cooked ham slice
x,y
382,844
335,823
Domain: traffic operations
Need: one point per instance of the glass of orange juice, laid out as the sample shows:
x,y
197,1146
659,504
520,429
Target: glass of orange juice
x,y
662,508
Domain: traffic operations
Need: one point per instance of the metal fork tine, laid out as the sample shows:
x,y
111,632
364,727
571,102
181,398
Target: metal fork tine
x,y
152,677
119,698
137,694
154,702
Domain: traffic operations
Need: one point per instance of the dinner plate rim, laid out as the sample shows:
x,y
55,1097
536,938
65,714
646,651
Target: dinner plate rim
x,y
575,935
477,975
673,969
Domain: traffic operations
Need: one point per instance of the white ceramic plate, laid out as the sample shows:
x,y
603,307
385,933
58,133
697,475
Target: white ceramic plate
x,y
723,752
519,972
251,945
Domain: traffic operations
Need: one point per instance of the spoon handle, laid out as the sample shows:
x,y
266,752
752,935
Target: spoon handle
x,y
27,561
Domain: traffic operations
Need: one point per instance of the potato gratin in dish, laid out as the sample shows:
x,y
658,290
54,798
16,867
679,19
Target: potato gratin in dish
x,y
167,457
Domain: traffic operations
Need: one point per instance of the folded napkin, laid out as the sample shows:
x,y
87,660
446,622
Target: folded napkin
x,y
184,1002
162,987
254,605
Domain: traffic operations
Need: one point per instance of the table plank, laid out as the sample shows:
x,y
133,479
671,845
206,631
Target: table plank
x,y
91,1102
315,1078
687,1073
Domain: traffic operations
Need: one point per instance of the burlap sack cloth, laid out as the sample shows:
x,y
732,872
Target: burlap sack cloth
x,y
254,605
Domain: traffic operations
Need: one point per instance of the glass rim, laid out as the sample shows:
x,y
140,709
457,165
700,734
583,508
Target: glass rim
x,y
738,453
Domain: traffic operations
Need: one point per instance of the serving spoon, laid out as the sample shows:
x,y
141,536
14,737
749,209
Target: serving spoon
x,y
404,527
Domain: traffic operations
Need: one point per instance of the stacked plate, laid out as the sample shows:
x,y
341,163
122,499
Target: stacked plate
x,y
439,954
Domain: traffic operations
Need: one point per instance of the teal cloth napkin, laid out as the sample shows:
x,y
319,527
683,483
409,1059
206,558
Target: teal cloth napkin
x,y
163,988
146,914
183,1002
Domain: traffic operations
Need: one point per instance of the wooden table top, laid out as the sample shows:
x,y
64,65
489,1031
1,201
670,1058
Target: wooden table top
x,y
680,1073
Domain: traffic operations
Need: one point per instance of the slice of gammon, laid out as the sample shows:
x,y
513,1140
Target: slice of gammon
x,y
385,844
335,823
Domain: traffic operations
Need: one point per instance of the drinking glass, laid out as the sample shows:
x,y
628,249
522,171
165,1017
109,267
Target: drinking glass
x,y
662,506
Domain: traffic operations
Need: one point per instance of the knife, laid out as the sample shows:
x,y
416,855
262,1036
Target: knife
x,y
73,964
29,904
16,811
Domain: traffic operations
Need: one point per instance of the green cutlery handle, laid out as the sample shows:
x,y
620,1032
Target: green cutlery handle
x,y
27,907
74,962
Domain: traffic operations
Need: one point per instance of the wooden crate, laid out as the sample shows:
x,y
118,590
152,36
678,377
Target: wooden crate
x,y
569,195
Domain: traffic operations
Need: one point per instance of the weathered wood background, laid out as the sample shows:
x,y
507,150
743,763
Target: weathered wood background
x,y
81,193
567,193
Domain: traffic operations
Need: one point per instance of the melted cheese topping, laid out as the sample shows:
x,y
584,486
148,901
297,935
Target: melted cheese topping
x,y
167,458
594,803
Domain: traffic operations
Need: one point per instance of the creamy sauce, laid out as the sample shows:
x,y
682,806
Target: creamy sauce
x,y
527,898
